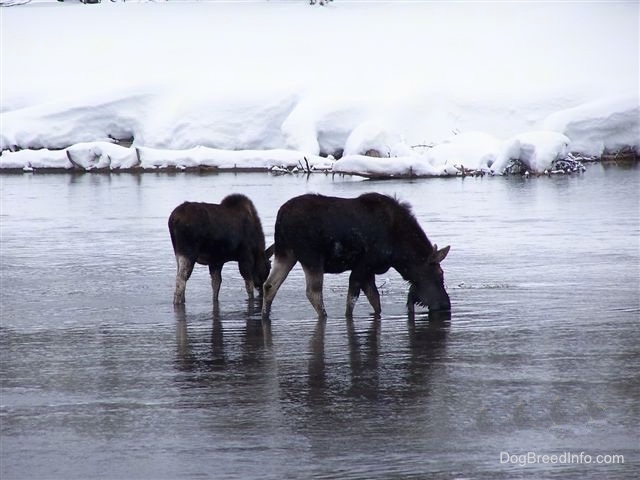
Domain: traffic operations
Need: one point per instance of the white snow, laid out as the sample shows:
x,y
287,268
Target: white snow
x,y
104,155
429,86
600,126
476,151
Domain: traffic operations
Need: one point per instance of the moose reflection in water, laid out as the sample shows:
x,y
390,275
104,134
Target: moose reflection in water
x,y
212,234
367,235
214,355
369,374
319,375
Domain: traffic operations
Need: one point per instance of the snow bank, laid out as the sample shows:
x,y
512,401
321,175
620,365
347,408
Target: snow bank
x,y
602,126
30,159
409,166
223,159
264,84
473,151
109,156
56,125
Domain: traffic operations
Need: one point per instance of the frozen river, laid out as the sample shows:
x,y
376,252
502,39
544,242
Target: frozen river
x,y
103,379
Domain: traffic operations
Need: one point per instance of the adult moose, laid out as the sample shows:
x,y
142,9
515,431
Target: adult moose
x,y
211,234
367,235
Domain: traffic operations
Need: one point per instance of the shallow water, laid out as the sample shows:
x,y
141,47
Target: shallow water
x,y
102,378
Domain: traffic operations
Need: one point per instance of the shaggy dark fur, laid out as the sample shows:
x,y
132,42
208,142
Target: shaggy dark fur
x,y
366,235
211,234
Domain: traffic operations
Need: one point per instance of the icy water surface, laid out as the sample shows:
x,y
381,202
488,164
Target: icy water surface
x,y
102,379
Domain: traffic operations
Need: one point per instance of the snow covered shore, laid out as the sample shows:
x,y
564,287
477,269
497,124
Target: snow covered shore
x,y
389,88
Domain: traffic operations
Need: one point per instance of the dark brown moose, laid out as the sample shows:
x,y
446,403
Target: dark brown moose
x,y
366,235
211,234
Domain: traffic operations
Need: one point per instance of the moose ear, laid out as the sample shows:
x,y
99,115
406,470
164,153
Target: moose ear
x,y
439,255
269,251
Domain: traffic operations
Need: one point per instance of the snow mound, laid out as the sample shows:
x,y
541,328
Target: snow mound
x,y
60,124
101,155
602,126
474,151
373,137
536,150
409,166
320,123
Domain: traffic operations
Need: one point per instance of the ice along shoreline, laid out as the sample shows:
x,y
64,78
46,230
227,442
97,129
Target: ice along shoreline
x,y
98,157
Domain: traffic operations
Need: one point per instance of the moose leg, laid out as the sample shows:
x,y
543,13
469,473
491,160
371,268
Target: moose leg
x,y
216,280
352,294
185,268
248,285
411,307
314,290
281,268
245,270
371,291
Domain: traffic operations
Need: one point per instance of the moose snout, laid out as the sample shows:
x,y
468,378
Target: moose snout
x,y
442,305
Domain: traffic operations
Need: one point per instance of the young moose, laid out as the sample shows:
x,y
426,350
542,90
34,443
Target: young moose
x,y
367,235
211,234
